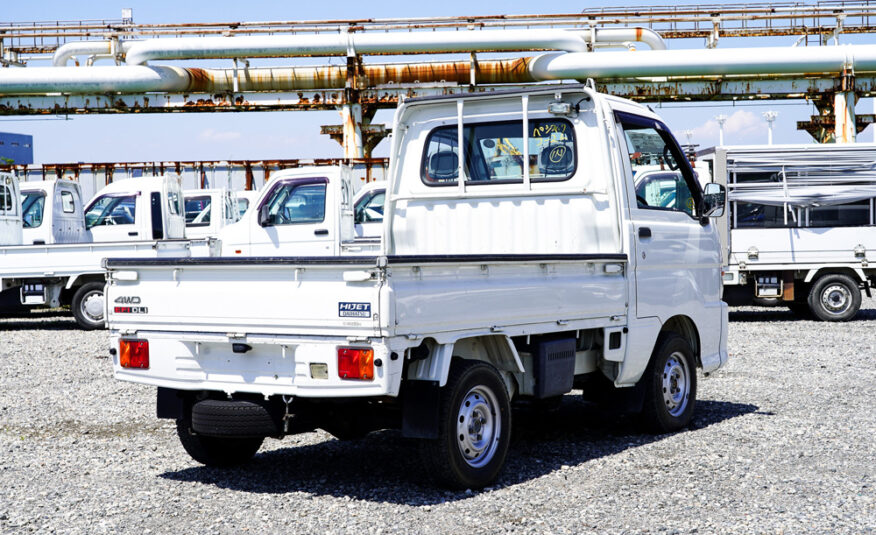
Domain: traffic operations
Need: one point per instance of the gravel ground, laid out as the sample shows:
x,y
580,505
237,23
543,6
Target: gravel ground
x,y
782,442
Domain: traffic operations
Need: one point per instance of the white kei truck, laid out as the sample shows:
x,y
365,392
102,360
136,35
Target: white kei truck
x,y
58,260
801,228
537,272
306,211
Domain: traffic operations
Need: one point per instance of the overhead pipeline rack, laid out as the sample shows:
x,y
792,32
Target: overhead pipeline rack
x,y
823,20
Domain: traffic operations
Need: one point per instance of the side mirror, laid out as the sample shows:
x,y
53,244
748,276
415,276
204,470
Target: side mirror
x,y
714,199
265,215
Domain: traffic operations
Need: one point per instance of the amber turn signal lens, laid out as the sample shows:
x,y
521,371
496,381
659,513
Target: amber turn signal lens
x,y
355,363
134,353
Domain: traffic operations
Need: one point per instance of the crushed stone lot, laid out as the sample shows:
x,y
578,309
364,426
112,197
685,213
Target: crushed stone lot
x,y
783,441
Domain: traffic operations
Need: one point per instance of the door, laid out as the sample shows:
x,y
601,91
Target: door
x,y
293,221
113,217
677,253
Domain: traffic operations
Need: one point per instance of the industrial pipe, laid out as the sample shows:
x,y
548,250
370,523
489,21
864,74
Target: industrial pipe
x,y
713,62
344,44
77,49
140,79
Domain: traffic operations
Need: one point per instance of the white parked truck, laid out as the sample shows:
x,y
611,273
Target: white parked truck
x,y
61,260
801,229
537,272
208,211
306,211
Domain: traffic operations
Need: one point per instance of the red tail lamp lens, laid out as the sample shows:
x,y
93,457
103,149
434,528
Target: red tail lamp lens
x,y
134,353
355,363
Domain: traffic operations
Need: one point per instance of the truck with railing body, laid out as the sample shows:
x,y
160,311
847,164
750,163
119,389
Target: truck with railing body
x,y
512,270
801,228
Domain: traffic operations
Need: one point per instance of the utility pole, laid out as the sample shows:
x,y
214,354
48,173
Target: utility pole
x,y
770,117
721,120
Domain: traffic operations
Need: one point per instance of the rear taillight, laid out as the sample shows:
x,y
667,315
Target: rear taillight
x,y
355,363
134,353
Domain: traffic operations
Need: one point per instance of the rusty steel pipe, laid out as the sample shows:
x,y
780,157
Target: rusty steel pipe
x,y
420,42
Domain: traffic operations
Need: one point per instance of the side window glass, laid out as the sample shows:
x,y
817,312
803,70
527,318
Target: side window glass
x,y
290,204
6,200
197,211
32,205
370,209
441,159
242,206
67,204
657,173
109,210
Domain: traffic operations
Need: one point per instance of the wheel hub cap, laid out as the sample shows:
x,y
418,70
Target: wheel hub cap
x,y
676,384
836,298
92,306
478,426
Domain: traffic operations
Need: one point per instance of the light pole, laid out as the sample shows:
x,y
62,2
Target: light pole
x,y
770,117
721,120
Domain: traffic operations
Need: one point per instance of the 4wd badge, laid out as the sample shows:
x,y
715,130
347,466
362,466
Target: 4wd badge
x,y
354,310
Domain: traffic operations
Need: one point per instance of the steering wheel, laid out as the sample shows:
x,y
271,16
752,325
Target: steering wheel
x,y
669,159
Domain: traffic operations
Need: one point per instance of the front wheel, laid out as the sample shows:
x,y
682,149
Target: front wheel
x,y
216,451
474,428
670,385
835,298
88,306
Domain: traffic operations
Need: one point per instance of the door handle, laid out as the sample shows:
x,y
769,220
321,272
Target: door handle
x,y
321,232
133,233
644,232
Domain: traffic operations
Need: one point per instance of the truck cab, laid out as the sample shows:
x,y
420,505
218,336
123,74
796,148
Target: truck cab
x,y
10,210
306,211
208,211
137,209
51,212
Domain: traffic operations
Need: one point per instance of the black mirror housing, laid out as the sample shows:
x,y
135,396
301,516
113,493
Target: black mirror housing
x,y
265,216
714,200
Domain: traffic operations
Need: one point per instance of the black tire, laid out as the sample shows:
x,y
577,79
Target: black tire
x,y
475,393
216,451
83,306
670,384
834,297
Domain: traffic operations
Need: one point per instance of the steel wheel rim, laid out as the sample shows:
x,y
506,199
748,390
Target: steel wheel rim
x,y
91,306
836,298
478,426
676,384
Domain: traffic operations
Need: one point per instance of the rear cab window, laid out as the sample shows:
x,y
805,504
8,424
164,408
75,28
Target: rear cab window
x,y
494,152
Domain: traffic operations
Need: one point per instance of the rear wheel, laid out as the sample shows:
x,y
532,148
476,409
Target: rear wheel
x,y
474,428
216,451
670,385
835,298
88,306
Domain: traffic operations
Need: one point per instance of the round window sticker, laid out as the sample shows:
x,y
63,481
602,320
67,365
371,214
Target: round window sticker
x,y
690,204
557,154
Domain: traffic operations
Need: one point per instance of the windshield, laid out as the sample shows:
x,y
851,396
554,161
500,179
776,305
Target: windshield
x,y
112,210
32,204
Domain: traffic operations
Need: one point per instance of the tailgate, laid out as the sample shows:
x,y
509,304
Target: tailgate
x,y
280,296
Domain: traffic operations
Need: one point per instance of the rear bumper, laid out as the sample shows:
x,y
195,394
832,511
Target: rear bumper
x,y
273,366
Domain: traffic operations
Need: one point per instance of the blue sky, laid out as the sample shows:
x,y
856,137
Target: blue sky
x,y
221,136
